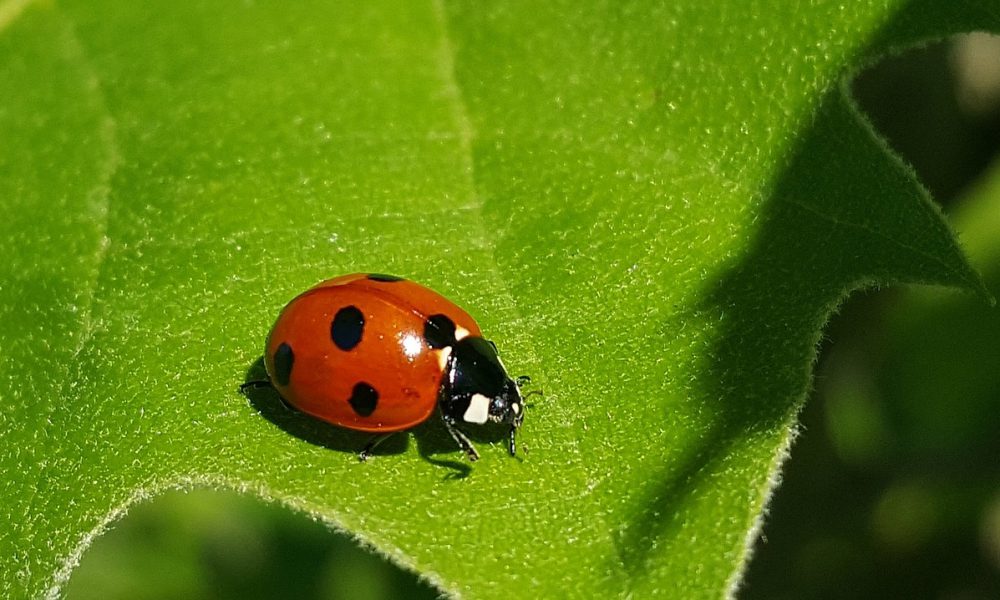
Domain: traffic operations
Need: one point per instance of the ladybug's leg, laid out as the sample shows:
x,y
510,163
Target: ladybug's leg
x,y
288,405
522,380
254,385
511,444
460,439
262,383
372,444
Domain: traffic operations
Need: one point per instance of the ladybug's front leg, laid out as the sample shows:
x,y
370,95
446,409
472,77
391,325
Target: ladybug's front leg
x,y
511,442
460,438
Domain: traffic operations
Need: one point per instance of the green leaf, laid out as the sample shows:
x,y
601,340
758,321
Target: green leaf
x,y
651,208
890,471
952,413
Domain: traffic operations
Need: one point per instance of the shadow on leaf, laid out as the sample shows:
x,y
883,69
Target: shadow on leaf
x,y
824,230
431,436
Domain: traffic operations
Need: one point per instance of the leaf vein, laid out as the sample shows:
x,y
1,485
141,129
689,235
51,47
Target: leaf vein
x,y
872,231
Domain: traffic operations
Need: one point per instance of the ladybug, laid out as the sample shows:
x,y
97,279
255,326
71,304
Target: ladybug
x,y
378,353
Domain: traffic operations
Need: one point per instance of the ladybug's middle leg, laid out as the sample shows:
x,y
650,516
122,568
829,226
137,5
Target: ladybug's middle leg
x,y
373,443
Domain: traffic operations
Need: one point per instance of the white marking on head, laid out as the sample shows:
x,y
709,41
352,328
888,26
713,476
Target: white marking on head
x,y
461,332
516,407
478,411
443,355
411,346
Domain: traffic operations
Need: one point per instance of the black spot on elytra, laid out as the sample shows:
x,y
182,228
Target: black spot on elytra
x,y
347,327
284,358
363,399
384,278
439,331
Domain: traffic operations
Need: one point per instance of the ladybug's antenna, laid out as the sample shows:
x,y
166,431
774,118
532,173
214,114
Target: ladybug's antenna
x,y
529,395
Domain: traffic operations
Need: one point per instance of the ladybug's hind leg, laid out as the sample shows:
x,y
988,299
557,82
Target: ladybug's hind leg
x,y
460,438
266,383
372,444
256,384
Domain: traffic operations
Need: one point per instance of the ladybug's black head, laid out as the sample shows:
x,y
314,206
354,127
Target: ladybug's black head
x,y
476,388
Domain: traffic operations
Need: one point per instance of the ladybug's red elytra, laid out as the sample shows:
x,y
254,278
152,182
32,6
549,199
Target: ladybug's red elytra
x,y
379,353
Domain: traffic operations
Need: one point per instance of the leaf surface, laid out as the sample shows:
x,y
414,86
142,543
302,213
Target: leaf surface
x,y
651,208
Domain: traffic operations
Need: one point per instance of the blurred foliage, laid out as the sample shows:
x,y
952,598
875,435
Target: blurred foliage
x,y
208,544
